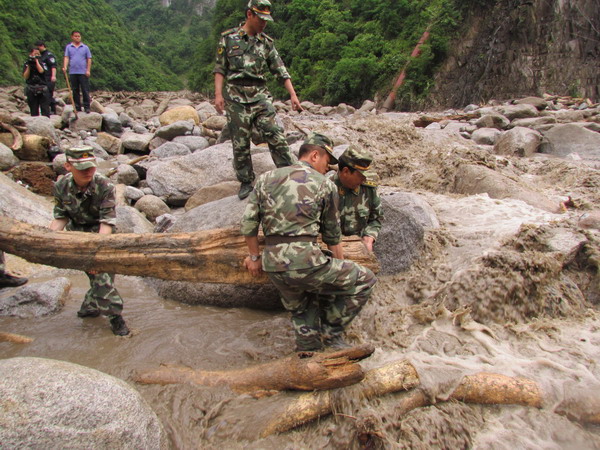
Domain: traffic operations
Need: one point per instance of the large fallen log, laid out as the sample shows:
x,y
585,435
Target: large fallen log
x,y
211,256
483,388
322,371
17,139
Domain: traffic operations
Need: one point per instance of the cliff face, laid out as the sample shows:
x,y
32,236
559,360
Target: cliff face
x,y
523,47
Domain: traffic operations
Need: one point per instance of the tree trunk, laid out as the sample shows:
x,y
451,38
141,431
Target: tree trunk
x,y
322,371
211,256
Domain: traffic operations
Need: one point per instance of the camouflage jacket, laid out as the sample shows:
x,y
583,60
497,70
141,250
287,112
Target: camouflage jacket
x,y
85,210
360,210
244,61
293,201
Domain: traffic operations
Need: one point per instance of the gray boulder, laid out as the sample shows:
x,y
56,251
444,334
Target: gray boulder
x,y
497,121
130,220
20,204
133,194
538,102
136,142
519,141
215,122
87,121
212,193
177,179
127,175
109,143
41,126
99,151
35,299
522,111
564,139
472,179
192,142
152,207
170,149
223,213
112,124
486,136
125,119
414,205
57,404
7,158
58,164
179,128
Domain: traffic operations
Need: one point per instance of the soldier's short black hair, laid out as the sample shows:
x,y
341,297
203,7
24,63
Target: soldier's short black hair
x,y
307,148
342,164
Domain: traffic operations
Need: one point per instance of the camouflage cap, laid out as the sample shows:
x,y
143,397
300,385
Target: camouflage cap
x,y
357,158
262,8
81,157
324,142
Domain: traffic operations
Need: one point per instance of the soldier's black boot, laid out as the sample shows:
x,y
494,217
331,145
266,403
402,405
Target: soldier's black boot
x,y
7,280
336,342
88,313
245,190
118,326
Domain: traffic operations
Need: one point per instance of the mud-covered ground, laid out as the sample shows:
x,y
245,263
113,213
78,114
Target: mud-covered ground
x,y
488,294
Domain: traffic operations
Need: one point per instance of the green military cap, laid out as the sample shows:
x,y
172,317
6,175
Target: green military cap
x,y
322,141
81,157
262,8
358,159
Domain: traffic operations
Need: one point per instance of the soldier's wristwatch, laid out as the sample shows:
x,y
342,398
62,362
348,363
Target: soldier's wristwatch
x,y
254,258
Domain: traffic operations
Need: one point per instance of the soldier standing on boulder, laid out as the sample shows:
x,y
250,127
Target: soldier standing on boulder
x,y
49,60
294,204
360,206
85,201
244,54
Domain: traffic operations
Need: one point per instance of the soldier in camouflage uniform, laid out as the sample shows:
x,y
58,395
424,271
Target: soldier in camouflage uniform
x,y
360,206
85,201
7,280
244,55
294,204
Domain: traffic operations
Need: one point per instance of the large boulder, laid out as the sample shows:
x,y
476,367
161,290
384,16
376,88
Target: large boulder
x,y
209,194
493,120
565,139
130,220
177,179
519,141
7,158
485,136
152,207
472,179
21,204
169,150
89,121
224,213
521,111
179,113
127,175
414,205
35,148
110,143
41,126
111,123
215,123
192,142
136,142
58,404
35,299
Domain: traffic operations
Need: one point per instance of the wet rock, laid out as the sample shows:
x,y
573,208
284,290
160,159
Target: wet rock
x,y
169,150
35,299
127,175
175,129
41,126
212,193
71,406
178,179
471,179
414,205
192,142
497,121
400,240
136,142
112,124
7,158
564,139
130,220
85,121
179,113
110,143
152,207
486,136
518,141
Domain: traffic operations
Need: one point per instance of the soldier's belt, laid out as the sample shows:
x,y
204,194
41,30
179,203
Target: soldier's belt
x,y
247,82
274,240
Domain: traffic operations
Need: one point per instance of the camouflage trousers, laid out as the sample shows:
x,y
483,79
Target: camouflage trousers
x,y
102,295
241,117
323,300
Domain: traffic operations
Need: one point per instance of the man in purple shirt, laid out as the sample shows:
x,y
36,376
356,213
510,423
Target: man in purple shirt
x,y
78,60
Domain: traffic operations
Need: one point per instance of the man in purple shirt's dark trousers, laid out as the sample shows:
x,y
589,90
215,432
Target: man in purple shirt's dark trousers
x,y
78,60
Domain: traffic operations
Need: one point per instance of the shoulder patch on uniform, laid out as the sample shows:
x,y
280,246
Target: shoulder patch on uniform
x,y
370,183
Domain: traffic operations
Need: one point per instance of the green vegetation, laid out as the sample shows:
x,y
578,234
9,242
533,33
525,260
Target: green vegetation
x,y
347,50
119,62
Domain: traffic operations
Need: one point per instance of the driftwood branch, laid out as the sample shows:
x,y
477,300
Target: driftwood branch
x,y
211,256
322,371
15,338
17,138
423,121
481,388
